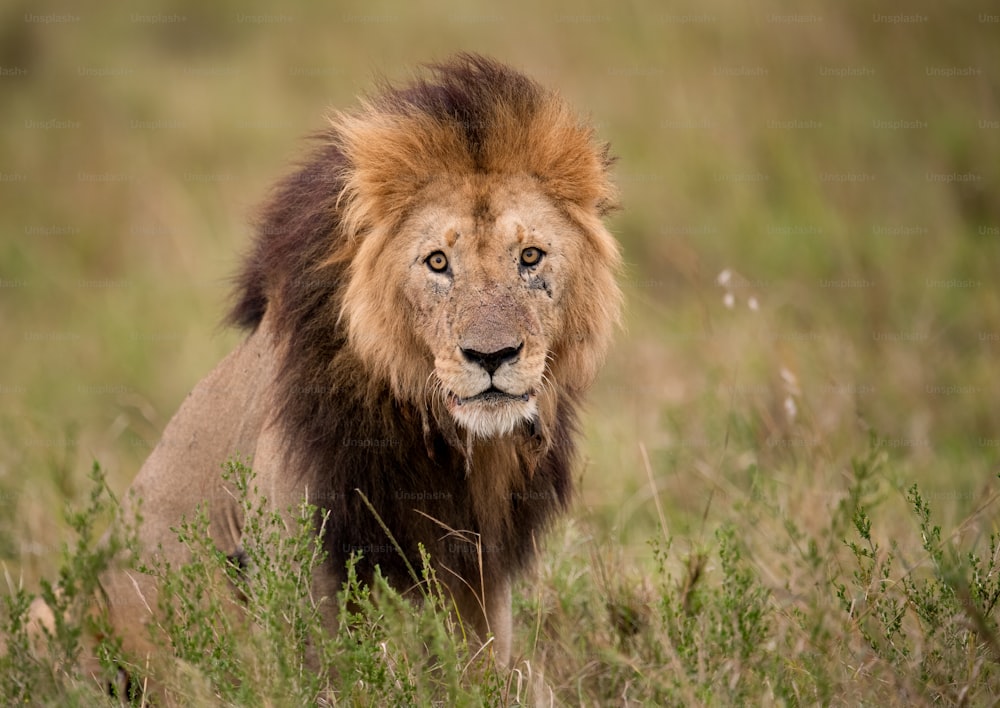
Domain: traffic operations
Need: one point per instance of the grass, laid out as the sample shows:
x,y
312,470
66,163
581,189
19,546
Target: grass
x,y
852,620
790,503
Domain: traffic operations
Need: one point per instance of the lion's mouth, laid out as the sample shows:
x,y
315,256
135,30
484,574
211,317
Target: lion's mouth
x,y
492,395
492,412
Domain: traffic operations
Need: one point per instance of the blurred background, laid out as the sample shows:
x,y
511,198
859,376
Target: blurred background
x,y
811,228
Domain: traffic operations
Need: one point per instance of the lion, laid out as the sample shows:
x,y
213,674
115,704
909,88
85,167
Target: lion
x,y
426,300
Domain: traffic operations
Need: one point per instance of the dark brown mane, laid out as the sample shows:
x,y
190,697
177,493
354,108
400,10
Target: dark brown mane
x,y
346,431
296,230
470,91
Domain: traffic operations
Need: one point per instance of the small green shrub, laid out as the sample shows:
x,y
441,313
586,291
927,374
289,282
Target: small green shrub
x,y
59,663
933,621
254,634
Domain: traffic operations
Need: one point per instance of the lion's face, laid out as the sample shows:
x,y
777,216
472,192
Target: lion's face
x,y
482,293
484,280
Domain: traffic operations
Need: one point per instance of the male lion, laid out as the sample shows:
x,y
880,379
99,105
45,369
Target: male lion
x,y
427,298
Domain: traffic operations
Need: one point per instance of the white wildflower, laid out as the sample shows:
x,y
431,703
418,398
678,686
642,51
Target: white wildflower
x,y
790,408
791,380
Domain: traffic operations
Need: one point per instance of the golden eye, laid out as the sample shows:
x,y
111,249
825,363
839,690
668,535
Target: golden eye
x,y
531,256
437,261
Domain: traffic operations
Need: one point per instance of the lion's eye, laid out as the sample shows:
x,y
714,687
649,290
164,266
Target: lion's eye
x,y
437,261
531,256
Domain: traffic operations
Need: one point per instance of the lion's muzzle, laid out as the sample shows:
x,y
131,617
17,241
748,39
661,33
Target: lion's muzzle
x,y
497,377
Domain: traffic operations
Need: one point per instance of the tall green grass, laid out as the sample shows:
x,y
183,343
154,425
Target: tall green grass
x,y
811,617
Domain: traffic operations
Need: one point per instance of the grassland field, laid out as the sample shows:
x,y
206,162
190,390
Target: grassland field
x,y
811,230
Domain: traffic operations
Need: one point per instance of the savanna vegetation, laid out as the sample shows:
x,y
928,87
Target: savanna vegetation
x,y
788,492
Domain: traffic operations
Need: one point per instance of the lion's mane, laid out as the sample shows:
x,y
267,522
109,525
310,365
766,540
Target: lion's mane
x,y
356,419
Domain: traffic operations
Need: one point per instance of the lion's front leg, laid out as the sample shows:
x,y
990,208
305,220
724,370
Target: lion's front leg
x,y
500,620
488,611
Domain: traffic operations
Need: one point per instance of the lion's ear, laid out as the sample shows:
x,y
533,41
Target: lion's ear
x,y
609,202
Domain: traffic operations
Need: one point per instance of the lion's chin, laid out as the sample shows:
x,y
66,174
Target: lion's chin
x,y
487,416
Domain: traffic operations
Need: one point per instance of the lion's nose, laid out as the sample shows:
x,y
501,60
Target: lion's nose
x,y
493,360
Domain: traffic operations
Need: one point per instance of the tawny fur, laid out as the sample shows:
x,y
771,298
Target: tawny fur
x,y
356,374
